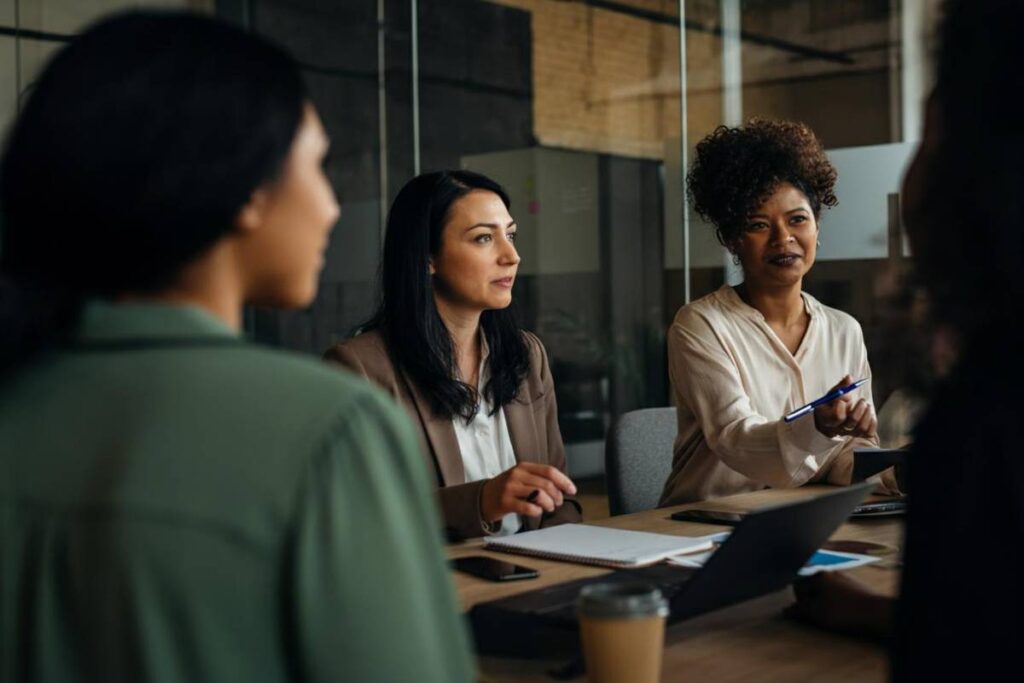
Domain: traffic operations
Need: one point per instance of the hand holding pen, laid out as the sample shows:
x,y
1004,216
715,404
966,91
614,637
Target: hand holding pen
x,y
837,414
528,489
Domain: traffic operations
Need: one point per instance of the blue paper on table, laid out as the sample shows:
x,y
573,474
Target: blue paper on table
x,y
830,560
824,558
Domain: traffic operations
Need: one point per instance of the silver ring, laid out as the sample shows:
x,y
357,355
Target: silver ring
x,y
847,429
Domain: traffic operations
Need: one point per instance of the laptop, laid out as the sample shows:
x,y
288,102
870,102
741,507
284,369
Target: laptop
x,y
762,555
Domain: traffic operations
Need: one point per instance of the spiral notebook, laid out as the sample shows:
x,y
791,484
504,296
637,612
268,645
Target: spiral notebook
x,y
587,544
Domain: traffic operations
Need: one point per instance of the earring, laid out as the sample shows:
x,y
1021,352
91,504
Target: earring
x,y
819,243
735,259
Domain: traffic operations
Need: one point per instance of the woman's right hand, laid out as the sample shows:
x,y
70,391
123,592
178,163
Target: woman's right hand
x,y
510,491
843,417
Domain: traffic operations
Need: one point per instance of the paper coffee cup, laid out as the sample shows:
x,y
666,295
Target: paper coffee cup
x,y
622,629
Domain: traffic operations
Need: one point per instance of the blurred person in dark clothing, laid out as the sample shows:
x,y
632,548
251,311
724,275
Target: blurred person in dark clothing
x,y
961,596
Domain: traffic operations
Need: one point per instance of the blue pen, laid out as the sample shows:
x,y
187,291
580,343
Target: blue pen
x,y
827,398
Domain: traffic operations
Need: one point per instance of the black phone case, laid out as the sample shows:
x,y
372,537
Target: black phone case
x,y
702,518
526,573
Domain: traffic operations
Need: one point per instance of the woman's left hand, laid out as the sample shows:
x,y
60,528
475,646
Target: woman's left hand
x,y
836,602
843,417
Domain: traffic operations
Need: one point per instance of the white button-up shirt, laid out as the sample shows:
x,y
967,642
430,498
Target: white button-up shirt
x,y
485,444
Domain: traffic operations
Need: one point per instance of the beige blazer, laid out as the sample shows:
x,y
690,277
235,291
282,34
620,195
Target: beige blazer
x,y
532,419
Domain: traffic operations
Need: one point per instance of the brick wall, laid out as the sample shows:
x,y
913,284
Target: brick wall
x,y
609,82
603,81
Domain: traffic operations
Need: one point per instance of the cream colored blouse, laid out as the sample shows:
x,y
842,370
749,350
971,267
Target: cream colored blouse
x,y
733,380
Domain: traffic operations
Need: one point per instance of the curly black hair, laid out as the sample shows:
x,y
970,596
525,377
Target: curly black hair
x,y
736,169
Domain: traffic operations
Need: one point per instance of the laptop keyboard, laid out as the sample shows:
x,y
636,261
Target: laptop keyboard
x,y
558,603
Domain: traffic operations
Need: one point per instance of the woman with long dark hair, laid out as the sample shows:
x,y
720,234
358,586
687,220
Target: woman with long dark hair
x,y
446,345
176,504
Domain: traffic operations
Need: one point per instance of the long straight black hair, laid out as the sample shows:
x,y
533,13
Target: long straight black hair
x,y
140,143
407,316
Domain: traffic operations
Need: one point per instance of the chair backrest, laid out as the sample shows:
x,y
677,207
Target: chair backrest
x,y
638,458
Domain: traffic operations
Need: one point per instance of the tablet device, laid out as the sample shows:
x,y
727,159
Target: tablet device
x,y
871,461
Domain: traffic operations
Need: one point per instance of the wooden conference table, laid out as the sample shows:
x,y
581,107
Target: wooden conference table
x,y
747,642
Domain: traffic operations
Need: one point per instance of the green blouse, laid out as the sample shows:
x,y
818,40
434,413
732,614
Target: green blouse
x,y
179,505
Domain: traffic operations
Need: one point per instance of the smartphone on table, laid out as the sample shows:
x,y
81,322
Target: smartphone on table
x,y
709,517
492,569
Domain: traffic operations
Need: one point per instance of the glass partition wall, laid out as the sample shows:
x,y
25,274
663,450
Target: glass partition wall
x,y
583,109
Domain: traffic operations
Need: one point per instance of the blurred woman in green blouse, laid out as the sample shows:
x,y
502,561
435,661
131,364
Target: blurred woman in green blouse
x,y
176,504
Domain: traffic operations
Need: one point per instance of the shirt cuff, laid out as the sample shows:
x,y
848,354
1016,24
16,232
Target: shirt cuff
x,y
803,434
488,528
491,528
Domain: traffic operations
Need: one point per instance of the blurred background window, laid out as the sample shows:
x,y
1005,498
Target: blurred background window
x,y
577,107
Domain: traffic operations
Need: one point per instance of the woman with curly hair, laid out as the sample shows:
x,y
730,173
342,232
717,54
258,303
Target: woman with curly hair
x,y
742,357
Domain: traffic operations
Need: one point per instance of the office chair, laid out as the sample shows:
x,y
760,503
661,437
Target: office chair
x,y
638,458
